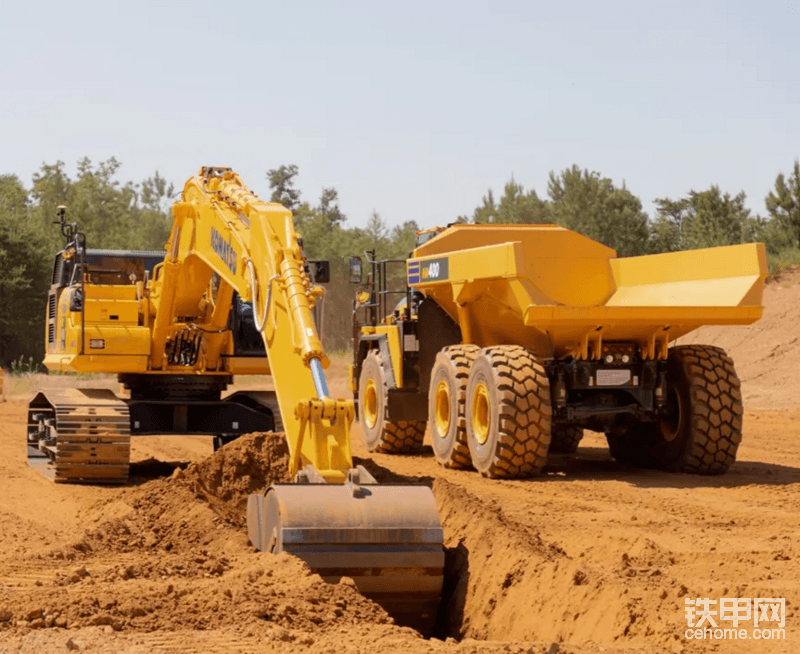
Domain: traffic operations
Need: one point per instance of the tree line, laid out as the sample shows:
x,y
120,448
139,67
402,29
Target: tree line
x,y
593,205
136,215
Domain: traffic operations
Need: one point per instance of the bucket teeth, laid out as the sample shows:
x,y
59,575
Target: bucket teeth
x,y
387,539
79,436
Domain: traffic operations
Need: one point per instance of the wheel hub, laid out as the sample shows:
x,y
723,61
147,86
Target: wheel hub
x,y
481,413
442,415
371,404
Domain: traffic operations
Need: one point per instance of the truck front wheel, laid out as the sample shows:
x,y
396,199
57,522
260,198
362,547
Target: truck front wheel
x,y
447,404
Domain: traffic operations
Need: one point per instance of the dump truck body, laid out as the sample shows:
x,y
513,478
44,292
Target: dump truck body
x,y
556,292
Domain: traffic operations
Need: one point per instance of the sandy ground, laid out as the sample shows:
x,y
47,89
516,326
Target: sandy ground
x,y
590,557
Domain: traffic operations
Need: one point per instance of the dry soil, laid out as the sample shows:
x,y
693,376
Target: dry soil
x,y
592,556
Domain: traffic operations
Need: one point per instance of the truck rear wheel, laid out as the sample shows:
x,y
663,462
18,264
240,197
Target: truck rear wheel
x,y
565,439
447,404
704,390
705,428
381,435
508,412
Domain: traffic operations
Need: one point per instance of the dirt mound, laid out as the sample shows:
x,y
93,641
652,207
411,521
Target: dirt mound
x,y
204,504
767,353
259,592
172,554
247,465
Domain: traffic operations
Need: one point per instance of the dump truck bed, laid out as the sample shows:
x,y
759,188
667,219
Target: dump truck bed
x,y
559,293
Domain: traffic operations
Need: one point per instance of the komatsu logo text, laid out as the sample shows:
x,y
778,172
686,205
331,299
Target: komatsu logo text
x,y
224,250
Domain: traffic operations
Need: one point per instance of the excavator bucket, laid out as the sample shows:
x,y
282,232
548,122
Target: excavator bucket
x,y
387,538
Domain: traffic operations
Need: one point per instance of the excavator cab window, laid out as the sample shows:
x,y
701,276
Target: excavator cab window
x,y
247,341
322,271
114,267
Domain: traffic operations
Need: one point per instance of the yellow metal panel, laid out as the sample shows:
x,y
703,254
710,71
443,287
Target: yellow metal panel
x,y
110,292
538,240
560,266
392,333
248,365
114,311
95,363
745,260
722,292
117,339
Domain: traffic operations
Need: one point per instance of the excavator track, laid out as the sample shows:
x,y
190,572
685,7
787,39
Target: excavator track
x,y
79,435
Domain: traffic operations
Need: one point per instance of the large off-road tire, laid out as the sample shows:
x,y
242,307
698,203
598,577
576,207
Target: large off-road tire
x,y
565,439
447,405
381,435
508,412
704,432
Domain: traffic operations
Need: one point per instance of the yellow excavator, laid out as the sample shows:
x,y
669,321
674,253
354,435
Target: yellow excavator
x,y
234,295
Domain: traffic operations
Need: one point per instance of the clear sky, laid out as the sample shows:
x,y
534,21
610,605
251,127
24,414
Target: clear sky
x,y
413,109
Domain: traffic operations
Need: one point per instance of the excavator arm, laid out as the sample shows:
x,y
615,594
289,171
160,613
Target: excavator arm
x,y
388,538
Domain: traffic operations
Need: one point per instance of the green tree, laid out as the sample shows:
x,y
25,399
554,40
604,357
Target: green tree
x,y
590,204
155,215
486,212
24,276
515,206
329,207
281,181
112,214
702,219
783,204
666,231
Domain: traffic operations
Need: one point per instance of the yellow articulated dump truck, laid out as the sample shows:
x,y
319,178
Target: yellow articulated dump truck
x,y
509,340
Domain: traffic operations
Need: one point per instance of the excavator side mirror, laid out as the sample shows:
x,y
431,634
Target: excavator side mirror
x,y
322,272
355,270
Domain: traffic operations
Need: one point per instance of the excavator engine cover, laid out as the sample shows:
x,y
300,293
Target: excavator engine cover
x,y
387,538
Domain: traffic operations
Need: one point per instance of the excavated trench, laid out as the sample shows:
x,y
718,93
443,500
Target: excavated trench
x,y
180,545
504,582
